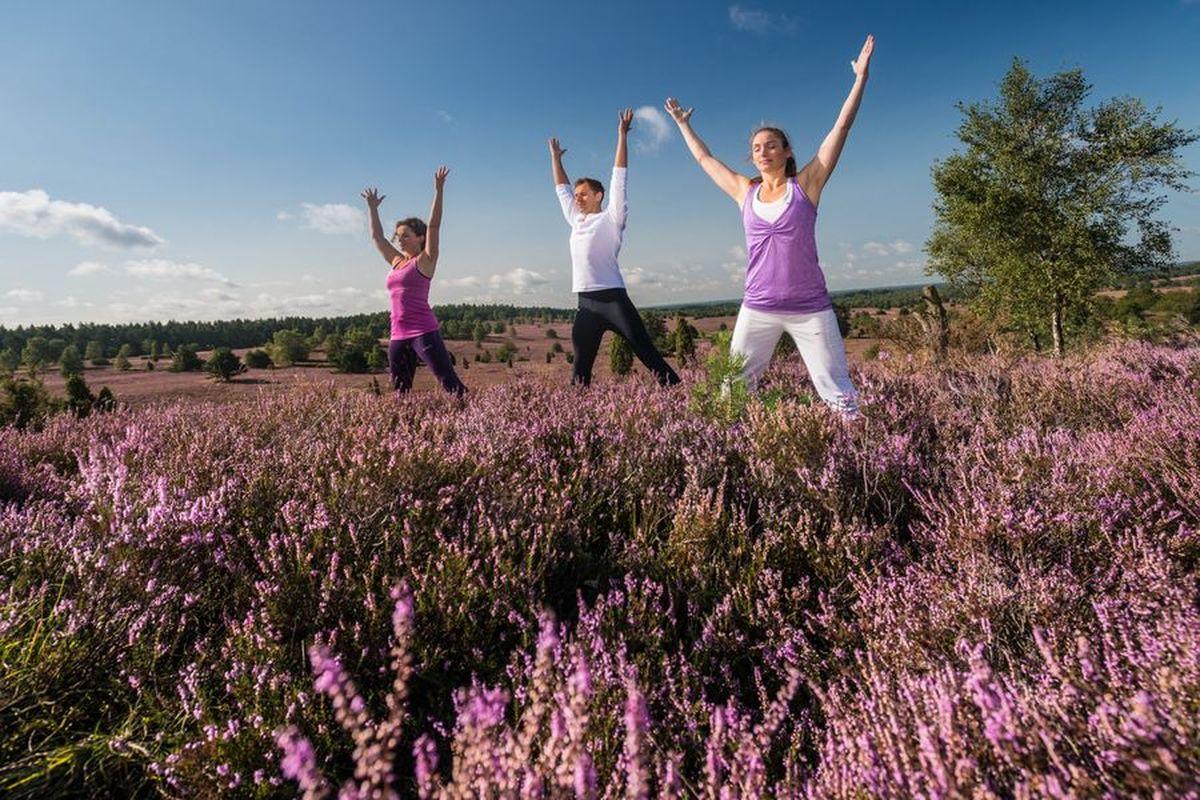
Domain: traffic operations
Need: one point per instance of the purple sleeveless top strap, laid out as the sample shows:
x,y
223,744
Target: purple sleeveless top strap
x,y
783,274
409,290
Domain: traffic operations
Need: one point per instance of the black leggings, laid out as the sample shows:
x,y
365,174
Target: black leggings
x,y
611,310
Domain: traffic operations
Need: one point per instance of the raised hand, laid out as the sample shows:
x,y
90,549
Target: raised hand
x,y
555,150
678,112
373,197
439,177
625,120
862,64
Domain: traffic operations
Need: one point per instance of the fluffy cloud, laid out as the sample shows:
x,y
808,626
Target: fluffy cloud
x,y
518,279
754,20
34,214
90,268
876,249
335,218
898,247
161,268
652,130
23,295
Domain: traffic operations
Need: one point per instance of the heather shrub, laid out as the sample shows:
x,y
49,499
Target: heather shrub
x,y
986,585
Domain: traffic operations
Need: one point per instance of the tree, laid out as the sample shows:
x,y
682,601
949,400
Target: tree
x,y
79,397
287,347
479,333
10,359
620,355
551,333
70,363
36,353
122,360
656,326
1032,219
95,354
257,359
684,343
223,364
185,359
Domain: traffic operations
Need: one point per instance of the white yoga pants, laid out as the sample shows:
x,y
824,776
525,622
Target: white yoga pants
x,y
817,338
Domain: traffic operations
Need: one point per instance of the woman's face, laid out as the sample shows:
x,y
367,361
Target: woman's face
x,y
410,243
588,199
768,152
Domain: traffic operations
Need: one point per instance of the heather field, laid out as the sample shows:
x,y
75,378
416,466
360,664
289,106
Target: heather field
x,y
986,587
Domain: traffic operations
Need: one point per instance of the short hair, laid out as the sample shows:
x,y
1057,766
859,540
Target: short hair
x,y
596,186
414,224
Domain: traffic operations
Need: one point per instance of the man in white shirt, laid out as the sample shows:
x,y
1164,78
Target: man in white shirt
x,y
596,236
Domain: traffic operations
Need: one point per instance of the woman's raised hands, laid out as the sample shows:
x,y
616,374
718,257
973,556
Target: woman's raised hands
x,y
373,197
678,112
625,120
862,64
439,177
555,149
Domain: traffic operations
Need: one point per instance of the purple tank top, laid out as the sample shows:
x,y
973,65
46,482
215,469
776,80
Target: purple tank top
x,y
409,289
782,271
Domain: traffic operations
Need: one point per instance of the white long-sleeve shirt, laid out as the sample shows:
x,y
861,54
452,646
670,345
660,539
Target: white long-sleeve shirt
x,y
596,238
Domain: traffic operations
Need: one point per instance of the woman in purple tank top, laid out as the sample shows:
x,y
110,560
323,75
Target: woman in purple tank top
x,y
415,330
785,287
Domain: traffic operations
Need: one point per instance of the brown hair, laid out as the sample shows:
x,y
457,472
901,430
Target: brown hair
x,y
789,169
414,224
595,185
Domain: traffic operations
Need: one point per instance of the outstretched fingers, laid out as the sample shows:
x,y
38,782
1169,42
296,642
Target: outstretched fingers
x,y
678,112
625,119
439,177
372,196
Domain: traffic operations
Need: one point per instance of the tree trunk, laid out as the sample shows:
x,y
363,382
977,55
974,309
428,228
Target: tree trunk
x,y
938,329
1056,326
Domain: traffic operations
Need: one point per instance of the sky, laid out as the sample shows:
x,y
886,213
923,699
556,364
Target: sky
x,y
205,160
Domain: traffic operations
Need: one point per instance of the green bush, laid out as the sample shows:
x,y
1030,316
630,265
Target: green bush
x,y
223,364
257,359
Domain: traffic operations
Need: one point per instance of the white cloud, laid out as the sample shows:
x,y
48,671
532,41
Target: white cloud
x,y
754,20
34,214
90,268
335,218
446,116
23,295
518,279
876,249
284,216
901,246
8,311
71,302
652,131
161,268
466,282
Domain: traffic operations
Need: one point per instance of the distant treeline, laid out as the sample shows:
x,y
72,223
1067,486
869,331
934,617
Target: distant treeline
x,y
459,321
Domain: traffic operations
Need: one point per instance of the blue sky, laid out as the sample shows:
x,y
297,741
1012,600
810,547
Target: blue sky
x,y
204,160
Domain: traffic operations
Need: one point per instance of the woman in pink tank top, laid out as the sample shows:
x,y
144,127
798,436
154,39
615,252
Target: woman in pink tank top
x,y
785,286
413,259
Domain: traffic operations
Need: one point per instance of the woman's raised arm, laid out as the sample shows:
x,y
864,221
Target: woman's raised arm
x,y
730,182
374,198
816,172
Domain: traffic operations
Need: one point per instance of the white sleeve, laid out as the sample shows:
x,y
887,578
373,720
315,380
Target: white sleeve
x,y
567,200
617,207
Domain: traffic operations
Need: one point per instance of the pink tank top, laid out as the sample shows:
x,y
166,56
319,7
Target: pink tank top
x,y
409,289
782,273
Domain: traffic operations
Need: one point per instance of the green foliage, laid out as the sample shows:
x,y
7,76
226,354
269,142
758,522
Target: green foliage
x,y
79,397
26,403
551,333
377,359
620,355
288,347
479,332
36,353
185,360
872,352
507,351
722,394
358,351
94,351
223,364
1032,219
656,326
55,347
122,360
70,362
10,359
684,340
257,359
864,326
